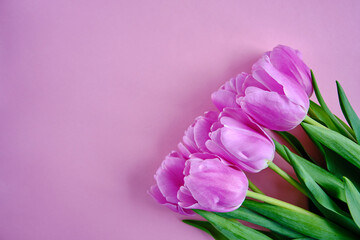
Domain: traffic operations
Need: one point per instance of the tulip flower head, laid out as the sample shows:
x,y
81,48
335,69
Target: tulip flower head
x,y
211,184
169,178
276,94
204,181
240,141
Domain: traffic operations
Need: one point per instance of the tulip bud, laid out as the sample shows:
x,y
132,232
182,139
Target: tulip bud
x,y
204,181
240,141
169,178
211,184
276,95
289,62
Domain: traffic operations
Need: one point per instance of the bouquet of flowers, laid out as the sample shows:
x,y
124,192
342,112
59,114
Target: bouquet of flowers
x,y
206,175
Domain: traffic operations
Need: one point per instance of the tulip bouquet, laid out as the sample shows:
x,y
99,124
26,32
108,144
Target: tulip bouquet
x,y
206,175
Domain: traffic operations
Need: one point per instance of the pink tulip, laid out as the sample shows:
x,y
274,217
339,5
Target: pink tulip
x,y
240,141
169,178
276,94
212,185
289,62
205,182
233,136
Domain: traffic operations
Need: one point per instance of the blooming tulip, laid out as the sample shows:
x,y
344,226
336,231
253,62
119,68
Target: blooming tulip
x,y
276,94
289,62
240,141
204,181
211,184
169,178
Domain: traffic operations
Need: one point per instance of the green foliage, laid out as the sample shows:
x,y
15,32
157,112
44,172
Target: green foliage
x,y
338,126
336,142
245,214
349,112
232,229
353,200
206,227
308,224
323,202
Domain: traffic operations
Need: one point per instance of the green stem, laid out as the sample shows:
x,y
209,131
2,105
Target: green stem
x,y
253,187
276,202
287,177
313,122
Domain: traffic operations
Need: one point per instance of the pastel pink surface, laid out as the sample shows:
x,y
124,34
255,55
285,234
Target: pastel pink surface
x,y
94,94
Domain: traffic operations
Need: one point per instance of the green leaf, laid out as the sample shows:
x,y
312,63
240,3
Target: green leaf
x,y
330,183
295,143
345,126
340,167
231,229
336,142
303,239
340,128
353,199
309,224
348,111
316,112
206,227
245,214
337,165
323,202
274,235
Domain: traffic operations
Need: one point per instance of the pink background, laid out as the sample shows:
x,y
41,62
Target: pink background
x,y
93,94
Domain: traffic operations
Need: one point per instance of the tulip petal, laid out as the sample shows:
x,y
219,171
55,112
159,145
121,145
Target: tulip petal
x,y
289,62
276,81
239,82
272,110
186,200
184,150
223,99
189,141
202,128
237,142
216,186
156,194
169,176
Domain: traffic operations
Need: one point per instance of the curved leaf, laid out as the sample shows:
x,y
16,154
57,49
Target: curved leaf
x,y
231,229
323,202
343,146
295,143
340,128
245,214
353,199
206,227
318,113
330,183
348,111
310,225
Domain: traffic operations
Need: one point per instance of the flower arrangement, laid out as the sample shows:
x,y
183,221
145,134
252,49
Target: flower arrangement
x,y
206,175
